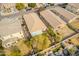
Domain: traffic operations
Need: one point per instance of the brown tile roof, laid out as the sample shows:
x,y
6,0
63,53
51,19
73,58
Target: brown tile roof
x,y
75,5
68,15
51,18
33,22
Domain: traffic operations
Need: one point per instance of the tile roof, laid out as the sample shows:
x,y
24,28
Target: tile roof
x,y
33,22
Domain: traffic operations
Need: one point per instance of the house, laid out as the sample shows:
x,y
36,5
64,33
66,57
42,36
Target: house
x,y
52,19
75,24
60,4
64,14
34,24
56,22
7,5
71,18
73,7
39,5
10,31
26,5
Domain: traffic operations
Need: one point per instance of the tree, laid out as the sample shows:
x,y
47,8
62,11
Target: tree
x,y
40,42
0,43
20,6
1,47
72,49
66,52
51,32
57,37
32,5
15,51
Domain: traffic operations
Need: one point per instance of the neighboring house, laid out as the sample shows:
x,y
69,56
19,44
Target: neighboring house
x,y
64,14
75,24
52,19
39,5
46,4
34,24
71,18
8,5
56,22
26,4
73,7
10,31
8,8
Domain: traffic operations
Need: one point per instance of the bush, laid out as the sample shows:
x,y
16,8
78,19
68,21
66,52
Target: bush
x,y
32,5
40,54
2,54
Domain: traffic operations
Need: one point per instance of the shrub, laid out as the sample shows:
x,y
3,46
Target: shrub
x,y
20,6
32,5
